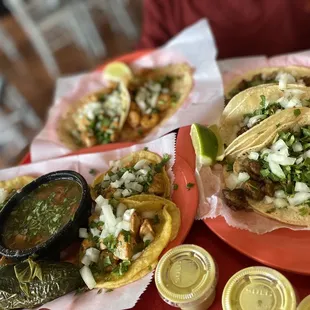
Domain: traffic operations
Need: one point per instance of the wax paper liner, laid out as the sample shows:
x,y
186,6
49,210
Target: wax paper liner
x,y
210,181
194,45
124,297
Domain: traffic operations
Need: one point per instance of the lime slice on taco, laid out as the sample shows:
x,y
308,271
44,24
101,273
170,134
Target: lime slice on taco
x,y
207,143
117,71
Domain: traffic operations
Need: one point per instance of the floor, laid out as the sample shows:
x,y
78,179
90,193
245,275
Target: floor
x,y
31,78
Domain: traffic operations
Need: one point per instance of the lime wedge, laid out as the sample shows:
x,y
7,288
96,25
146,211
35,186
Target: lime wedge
x,y
206,143
117,71
220,152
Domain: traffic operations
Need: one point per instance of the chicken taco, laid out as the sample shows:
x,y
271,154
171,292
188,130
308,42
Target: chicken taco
x,y
9,187
282,75
95,119
257,107
140,172
156,94
125,239
273,176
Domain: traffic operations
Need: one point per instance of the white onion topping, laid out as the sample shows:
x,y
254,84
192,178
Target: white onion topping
x,y
253,155
88,277
83,233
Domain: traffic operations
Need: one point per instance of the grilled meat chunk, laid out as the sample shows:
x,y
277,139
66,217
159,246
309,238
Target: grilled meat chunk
x,y
235,199
253,189
146,231
135,222
125,246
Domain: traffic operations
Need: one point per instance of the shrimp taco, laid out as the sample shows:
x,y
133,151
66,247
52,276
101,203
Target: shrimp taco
x,y
273,176
140,172
95,119
156,94
9,187
257,108
291,74
126,239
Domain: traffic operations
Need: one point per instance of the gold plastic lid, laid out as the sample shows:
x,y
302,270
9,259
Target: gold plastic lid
x,y
186,273
305,304
257,288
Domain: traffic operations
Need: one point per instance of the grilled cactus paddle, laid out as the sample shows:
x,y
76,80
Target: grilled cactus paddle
x,y
29,284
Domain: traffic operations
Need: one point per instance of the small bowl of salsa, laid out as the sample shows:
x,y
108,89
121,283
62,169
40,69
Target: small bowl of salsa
x,y
45,216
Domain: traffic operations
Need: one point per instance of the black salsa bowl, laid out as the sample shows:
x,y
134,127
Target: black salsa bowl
x,y
64,236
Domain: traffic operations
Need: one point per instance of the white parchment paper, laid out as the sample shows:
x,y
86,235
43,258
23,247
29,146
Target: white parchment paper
x,y
124,297
210,180
194,45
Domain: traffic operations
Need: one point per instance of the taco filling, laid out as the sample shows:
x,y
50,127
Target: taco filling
x,y
151,97
98,121
267,78
291,98
278,176
120,233
143,176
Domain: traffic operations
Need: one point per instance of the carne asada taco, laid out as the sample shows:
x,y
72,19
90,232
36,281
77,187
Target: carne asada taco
x,y
9,187
126,238
140,172
273,176
292,74
156,94
257,104
95,119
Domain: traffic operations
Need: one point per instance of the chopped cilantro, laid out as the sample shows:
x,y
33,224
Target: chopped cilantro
x,y
304,211
189,185
122,268
110,242
158,167
81,290
175,186
92,171
109,290
147,243
263,101
146,148
278,125
297,112
107,261
99,291
271,210
150,268
127,235
156,219
113,202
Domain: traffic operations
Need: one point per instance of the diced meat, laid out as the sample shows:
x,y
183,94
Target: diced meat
x,y
253,168
107,261
242,130
146,229
242,85
135,222
124,247
87,243
235,199
306,80
158,185
253,189
271,77
269,189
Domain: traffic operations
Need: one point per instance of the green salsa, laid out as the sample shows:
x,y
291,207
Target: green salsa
x,y
41,214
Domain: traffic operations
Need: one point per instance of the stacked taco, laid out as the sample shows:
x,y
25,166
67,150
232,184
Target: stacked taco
x,y
126,110
132,222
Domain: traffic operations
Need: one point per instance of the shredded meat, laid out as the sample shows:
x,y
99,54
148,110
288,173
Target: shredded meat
x,y
235,199
269,188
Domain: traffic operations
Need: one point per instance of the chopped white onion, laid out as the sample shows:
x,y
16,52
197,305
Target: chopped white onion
x,y
137,255
93,254
284,78
297,147
283,151
86,260
109,215
279,193
140,164
253,155
301,187
125,225
243,176
118,193
232,181
276,169
307,154
268,199
281,159
83,233
126,192
280,203
148,237
121,208
298,198
278,145
88,277
117,183
101,201
97,209
104,233
106,177
128,214
254,119
299,160
95,232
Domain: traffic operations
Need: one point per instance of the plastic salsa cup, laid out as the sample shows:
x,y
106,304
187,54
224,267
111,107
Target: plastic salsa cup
x,y
257,288
305,304
186,277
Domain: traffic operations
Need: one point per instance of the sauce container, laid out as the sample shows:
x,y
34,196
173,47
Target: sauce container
x,y
305,304
258,288
186,277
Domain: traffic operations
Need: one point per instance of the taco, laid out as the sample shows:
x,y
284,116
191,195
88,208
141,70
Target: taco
x,y
140,172
291,74
9,187
156,94
125,240
95,119
257,105
273,177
